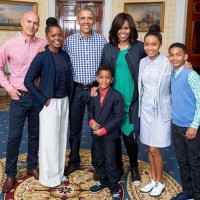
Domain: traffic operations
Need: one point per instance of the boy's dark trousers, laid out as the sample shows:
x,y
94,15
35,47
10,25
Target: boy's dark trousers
x,y
105,151
188,157
131,148
118,158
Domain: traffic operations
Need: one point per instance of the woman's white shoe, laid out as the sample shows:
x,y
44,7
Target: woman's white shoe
x,y
148,187
157,190
63,179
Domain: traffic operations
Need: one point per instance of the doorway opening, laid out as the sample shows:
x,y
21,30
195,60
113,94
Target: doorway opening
x,y
67,10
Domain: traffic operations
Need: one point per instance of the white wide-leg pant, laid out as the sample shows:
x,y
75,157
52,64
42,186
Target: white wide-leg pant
x,y
53,142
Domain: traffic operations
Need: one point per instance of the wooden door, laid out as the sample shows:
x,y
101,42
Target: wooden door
x,y
193,33
67,13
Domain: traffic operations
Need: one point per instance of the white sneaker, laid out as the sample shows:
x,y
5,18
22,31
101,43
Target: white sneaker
x,y
157,190
63,179
137,183
148,187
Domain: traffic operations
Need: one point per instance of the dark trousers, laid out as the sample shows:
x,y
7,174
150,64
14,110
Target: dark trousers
x,y
104,150
77,109
188,157
19,110
118,156
132,150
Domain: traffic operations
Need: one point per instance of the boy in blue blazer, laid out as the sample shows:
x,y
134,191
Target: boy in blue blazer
x,y
105,114
185,87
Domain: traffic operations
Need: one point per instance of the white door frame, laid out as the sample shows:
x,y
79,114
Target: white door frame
x,y
180,18
180,21
107,13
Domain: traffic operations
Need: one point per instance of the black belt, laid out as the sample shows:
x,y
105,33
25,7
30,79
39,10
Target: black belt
x,y
83,86
24,93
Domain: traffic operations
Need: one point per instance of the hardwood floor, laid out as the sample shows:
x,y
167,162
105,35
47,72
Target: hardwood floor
x,y
4,99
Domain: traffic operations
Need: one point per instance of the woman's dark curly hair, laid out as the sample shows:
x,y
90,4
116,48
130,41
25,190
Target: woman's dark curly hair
x,y
51,22
117,24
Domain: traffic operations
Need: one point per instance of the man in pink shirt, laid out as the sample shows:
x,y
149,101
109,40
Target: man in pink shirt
x,y
19,53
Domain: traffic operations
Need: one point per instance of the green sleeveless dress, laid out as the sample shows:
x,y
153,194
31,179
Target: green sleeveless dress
x,y
123,82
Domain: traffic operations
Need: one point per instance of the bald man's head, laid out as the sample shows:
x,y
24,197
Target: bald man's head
x,y
30,23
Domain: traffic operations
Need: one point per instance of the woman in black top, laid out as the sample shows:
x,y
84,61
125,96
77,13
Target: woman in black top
x,y
53,68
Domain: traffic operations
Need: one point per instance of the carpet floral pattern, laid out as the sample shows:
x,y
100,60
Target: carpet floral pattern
x,y
4,107
78,183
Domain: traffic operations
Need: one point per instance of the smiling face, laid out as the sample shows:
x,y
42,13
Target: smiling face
x,y
124,33
104,79
152,46
30,24
54,38
86,20
177,57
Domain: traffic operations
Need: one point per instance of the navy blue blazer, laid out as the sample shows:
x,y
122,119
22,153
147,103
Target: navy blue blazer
x,y
135,54
109,114
43,67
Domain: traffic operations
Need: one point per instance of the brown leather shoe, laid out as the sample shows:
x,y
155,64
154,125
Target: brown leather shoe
x,y
33,173
70,169
8,185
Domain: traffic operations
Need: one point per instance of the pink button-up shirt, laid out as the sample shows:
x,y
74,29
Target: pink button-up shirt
x,y
19,53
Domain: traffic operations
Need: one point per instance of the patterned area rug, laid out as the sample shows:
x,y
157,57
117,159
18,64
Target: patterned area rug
x,y
77,185
4,106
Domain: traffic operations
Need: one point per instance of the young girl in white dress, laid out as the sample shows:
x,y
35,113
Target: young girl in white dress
x,y
154,107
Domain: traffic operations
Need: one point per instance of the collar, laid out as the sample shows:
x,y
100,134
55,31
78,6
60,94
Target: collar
x,y
82,37
104,92
47,48
156,61
25,40
177,71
